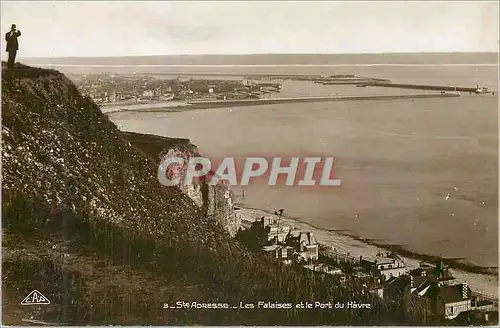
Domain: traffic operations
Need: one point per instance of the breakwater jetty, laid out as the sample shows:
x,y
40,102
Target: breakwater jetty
x,y
476,89
252,102
351,81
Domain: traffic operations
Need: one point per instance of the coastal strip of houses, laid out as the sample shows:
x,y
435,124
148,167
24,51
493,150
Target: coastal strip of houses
x,y
385,275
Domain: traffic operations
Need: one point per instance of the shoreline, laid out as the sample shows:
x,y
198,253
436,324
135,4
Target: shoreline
x,y
165,107
455,264
482,280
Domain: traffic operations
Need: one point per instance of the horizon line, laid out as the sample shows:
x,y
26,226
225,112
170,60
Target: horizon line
x,y
265,54
263,65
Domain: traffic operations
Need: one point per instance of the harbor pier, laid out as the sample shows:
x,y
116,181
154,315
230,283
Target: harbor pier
x,y
476,89
253,102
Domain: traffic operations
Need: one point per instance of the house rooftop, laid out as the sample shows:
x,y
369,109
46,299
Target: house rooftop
x,y
385,260
453,294
419,280
440,273
271,248
359,274
449,294
281,228
308,238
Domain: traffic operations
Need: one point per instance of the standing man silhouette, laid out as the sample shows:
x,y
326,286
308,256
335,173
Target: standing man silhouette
x,y
12,44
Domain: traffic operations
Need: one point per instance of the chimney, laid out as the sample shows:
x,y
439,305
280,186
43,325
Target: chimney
x,y
464,290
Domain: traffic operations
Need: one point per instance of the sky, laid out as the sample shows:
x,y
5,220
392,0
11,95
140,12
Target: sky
x,y
114,28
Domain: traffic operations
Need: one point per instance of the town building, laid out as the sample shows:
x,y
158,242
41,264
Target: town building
x,y
323,268
482,304
282,253
445,300
396,287
286,254
385,267
367,281
437,289
440,291
277,233
359,273
377,289
305,244
269,231
147,93
271,251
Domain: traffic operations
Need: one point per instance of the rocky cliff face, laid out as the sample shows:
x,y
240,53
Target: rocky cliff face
x,y
216,202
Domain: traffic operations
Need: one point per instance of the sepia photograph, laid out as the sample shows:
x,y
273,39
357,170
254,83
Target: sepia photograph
x,y
249,163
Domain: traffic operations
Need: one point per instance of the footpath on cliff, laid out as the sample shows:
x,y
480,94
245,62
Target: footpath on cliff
x,y
86,223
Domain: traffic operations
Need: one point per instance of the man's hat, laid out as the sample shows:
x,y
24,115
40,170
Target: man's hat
x,y
13,26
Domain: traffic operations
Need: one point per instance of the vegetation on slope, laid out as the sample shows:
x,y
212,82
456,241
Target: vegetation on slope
x,y
87,223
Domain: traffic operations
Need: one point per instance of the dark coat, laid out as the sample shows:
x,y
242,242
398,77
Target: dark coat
x,y
11,40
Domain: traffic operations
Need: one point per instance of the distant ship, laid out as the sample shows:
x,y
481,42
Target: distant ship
x,y
481,89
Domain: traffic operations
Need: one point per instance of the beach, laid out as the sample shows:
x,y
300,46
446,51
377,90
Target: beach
x,y
481,283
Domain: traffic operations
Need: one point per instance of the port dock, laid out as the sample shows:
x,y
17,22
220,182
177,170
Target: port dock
x,y
476,89
349,79
253,102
